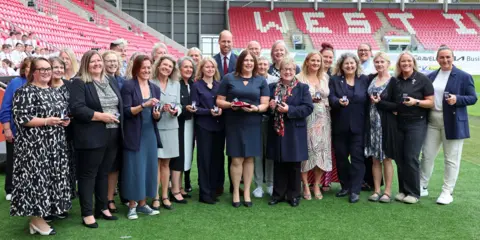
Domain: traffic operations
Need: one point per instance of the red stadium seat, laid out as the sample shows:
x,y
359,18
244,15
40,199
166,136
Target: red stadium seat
x,y
71,30
346,28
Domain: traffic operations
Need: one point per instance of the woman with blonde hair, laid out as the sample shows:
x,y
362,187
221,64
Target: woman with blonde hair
x,y
209,129
381,127
318,124
71,63
278,52
97,108
165,77
413,94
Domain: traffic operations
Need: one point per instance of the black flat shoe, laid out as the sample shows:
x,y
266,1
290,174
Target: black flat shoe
x,y
174,199
207,201
354,198
248,204
168,207
63,215
274,202
186,195
342,193
92,225
236,204
294,202
109,218
112,210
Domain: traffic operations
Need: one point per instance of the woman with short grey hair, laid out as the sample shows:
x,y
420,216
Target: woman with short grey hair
x,y
183,162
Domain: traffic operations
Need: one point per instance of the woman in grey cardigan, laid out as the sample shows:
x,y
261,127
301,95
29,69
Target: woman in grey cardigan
x,y
163,72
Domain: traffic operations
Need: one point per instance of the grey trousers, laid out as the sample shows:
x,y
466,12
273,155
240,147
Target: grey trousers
x,y
263,169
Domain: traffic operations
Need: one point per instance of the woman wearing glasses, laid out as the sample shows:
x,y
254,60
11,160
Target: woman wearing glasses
x,y
41,159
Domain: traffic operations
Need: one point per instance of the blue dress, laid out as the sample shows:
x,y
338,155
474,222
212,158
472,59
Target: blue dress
x,y
140,168
243,129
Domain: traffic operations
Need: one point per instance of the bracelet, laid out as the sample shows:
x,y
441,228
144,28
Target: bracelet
x,y
141,105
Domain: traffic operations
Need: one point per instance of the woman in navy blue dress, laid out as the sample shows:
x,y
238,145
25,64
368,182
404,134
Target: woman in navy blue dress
x,y
243,124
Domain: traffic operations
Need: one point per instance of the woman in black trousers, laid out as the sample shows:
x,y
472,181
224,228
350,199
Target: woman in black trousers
x,y
413,94
290,104
97,110
209,129
348,100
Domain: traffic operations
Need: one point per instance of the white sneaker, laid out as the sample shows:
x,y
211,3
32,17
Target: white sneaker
x,y
423,192
270,190
400,197
132,214
445,198
8,197
258,192
410,199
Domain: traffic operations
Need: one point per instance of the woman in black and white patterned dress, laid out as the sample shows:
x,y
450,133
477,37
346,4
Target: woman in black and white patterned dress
x,y
62,85
40,151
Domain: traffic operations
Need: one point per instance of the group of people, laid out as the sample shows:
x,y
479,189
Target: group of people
x,y
133,123
15,48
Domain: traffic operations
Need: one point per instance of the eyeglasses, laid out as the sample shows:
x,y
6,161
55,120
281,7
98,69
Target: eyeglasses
x,y
43,70
288,69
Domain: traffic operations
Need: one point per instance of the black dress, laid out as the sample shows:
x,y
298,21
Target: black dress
x,y
41,187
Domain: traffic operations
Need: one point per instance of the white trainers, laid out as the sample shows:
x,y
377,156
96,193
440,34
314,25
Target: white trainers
x,y
400,197
423,192
410,199
8,197
270,190
258,192
132,214
445,198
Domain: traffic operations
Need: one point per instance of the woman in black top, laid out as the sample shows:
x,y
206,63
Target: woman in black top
x,y
97,110
381,127
413,95
183,162
348,100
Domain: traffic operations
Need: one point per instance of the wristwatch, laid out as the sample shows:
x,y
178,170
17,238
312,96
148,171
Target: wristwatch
x,y
417,103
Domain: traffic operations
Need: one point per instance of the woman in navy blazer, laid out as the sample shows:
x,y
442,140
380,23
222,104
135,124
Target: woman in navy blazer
x,y
209,129
290,105
447,122
139,170
97,109
348,100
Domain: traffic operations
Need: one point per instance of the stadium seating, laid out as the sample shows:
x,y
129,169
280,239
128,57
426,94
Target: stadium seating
x,y
433,28
260,24
345,28
70,30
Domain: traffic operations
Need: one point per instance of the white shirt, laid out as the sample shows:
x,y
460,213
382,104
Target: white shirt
x,y
17,57
4,55
12,42
368,67
439,88
271,79
228,58
8,72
